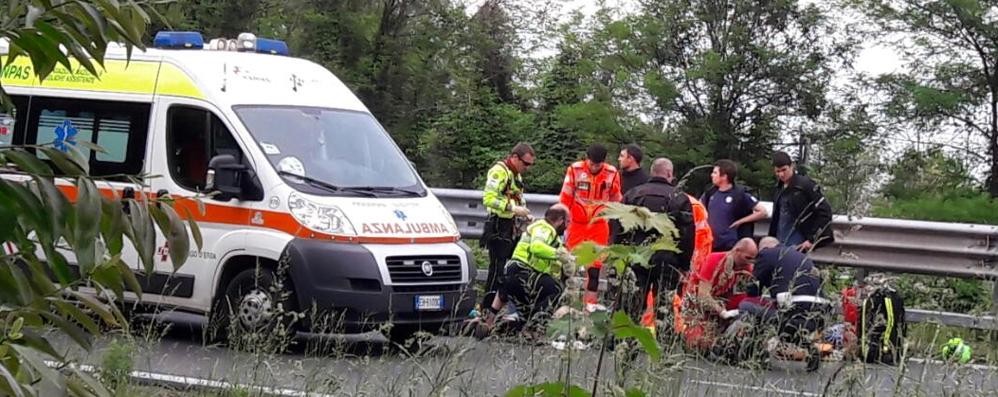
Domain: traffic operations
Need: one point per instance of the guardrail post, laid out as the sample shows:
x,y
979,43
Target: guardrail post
x,y
994,309
994,297
861,275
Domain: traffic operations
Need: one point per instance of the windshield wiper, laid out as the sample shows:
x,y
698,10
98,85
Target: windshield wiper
x,y
323,184
383,189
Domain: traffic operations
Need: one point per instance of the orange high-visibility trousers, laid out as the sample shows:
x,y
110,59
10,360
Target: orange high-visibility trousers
x,y
597,232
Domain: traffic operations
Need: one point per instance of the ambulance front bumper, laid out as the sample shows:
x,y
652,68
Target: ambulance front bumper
x,y
358,287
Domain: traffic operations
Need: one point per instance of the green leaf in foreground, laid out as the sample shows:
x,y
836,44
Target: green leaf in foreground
x,y
624,327
587,253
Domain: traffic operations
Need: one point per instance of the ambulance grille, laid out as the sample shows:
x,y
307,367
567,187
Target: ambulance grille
x,y
409,269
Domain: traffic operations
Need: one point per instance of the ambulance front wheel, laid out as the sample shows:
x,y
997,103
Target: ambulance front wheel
x,y
406,336
254,308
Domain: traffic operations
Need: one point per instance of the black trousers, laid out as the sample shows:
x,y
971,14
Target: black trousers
x,y
663,275
499,240
793,324
534,293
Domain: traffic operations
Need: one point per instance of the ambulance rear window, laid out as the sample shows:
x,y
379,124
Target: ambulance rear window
x,y
119,128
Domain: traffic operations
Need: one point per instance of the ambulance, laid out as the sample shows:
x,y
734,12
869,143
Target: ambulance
x,y
305,182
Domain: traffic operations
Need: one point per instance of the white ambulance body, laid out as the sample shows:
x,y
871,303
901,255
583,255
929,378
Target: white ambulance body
x,y
304,170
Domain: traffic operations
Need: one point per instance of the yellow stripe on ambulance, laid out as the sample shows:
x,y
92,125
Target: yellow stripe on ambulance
x,y
117,76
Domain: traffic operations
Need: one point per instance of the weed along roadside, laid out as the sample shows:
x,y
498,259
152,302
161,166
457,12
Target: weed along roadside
x,y
185,214
176,356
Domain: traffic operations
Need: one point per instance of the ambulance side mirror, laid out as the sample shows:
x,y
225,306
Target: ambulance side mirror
x,y
225,176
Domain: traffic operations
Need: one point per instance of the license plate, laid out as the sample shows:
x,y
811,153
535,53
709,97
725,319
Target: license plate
x,y
429,302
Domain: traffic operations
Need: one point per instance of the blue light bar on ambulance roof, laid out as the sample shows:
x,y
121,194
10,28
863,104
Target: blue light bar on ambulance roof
x,y
271,46
192,40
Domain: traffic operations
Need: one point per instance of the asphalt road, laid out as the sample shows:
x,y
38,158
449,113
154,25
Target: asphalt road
x,y
361,365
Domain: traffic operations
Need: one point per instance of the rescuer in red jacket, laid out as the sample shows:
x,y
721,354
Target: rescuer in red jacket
x,y
587,184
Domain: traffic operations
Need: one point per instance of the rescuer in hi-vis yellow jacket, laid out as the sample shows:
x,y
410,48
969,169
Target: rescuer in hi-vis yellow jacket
x,y
503,201
532,280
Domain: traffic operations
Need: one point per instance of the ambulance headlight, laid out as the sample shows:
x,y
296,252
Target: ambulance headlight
x,y
320,218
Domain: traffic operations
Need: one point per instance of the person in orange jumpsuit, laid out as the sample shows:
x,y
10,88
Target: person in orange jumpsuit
x,y
588,184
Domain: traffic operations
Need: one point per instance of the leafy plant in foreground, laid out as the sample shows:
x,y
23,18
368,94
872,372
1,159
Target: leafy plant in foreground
x,y
62,235
618,324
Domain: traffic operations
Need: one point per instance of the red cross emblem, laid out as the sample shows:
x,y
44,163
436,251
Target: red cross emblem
x,y
164,251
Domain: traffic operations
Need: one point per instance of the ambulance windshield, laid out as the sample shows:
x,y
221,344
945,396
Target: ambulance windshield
x,y
335,152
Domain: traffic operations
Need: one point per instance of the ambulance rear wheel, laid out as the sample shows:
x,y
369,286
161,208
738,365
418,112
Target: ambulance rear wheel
x,y
255,310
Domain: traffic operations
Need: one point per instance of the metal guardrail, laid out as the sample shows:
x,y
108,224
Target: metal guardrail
x,y
874,244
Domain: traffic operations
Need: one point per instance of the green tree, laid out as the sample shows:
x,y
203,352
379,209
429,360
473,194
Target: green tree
x,y
39,289
585,95
729,76
927,173
397,55
846,156
951,85
484,117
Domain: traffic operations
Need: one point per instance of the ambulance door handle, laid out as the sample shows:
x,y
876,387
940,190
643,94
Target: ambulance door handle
x,y
127,193
160,194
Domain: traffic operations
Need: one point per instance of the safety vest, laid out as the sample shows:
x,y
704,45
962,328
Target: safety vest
x,y
582,191
538,248
703,244
502,187
703,240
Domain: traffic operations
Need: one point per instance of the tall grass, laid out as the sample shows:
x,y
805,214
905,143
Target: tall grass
x,y
463,366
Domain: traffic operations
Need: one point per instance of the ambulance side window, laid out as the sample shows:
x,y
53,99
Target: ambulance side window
x,y
193,137
119,128
12,123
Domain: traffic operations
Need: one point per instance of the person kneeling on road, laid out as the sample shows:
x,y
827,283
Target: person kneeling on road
x,y
709,294
793,305
533,275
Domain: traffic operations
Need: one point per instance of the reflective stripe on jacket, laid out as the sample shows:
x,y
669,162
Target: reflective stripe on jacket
x,y
503,190
582,191
703,242
538,248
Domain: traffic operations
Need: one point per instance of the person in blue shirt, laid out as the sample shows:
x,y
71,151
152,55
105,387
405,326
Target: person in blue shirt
x,y
789,291
731,210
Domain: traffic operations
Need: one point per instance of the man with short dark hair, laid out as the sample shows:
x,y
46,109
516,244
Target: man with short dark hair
x,y
802,217
588,184
732,210
631,176
631,172
503,200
